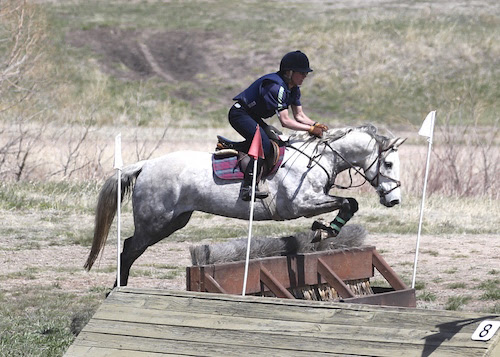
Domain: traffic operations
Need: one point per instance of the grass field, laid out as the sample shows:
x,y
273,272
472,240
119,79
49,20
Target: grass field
x,y
163,74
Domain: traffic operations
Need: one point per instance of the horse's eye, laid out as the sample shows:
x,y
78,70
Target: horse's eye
x,y
388,165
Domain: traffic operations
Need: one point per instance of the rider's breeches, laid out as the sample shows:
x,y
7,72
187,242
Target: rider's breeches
x,y
246,125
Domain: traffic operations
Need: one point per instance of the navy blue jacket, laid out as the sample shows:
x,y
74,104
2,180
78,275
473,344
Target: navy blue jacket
x,y
267,95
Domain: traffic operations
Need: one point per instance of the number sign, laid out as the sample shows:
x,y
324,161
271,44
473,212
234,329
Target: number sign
x,y
485,330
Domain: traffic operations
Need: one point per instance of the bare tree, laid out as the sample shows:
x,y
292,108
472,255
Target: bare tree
x,y
468,157
21,140
21,40
141,145
73,159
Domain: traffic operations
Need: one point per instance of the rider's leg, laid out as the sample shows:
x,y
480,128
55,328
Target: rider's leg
x,y
348,208
246,187
246,125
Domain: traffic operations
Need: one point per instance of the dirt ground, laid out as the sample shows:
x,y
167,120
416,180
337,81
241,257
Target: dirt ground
x,y
448,266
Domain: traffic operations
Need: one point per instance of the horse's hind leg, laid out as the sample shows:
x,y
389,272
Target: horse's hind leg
x,y
128,256
134,246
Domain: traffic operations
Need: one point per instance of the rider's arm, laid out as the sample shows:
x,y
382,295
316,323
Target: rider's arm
x,y
291,123
300,116
273,97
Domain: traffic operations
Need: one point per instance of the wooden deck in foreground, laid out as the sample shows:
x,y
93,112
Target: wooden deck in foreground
x,y
136,322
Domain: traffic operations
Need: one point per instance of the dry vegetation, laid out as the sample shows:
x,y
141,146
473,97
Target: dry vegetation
x,y
74,74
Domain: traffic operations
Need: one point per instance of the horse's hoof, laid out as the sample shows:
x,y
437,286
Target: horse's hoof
x,y
322,231
318,236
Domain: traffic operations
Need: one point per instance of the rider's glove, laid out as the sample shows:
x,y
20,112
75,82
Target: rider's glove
x,y
316,131
322,126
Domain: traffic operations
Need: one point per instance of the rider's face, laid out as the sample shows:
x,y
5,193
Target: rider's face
x,y
298,78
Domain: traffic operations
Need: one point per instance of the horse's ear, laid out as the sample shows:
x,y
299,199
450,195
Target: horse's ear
x,y
399,142
395,143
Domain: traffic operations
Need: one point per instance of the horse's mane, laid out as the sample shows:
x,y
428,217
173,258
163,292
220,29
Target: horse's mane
x,y
335,134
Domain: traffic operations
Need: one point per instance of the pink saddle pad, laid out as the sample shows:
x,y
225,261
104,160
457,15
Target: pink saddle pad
x,y
228,169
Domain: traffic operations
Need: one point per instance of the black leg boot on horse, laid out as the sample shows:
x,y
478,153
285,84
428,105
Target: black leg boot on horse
x,y
246,186
346,212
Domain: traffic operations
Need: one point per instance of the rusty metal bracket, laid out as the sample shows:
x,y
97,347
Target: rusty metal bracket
x,y
273,284
387,272
212,285
333,280
281,276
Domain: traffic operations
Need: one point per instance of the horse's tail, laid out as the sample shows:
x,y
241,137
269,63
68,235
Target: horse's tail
x,y
106,208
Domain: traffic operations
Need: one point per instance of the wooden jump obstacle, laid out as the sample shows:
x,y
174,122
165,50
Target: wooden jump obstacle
x,y
334,275
136,322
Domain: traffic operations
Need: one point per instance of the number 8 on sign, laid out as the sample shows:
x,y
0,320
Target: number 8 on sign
x,y
485,330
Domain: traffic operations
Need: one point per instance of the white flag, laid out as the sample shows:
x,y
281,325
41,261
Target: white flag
x,y
118,152
428,126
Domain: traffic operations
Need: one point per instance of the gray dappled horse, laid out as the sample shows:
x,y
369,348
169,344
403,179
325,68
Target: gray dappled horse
x,y
170,188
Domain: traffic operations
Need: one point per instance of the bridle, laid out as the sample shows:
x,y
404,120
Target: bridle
x,y
375,181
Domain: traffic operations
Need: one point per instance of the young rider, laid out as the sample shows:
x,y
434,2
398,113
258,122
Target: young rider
x,y
272,94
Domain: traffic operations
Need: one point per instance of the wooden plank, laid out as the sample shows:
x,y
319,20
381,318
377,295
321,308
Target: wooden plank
x,y
233,333
494,350
297,310
212,344
263,324
182,323
77,350
159,345
240,340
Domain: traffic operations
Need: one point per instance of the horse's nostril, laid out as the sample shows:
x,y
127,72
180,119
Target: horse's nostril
x,y
394,202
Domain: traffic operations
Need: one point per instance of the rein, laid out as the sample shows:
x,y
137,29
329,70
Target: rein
x,y
375,181
330,181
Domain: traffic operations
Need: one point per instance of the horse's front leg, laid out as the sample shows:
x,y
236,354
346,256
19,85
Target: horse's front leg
x,y
348,207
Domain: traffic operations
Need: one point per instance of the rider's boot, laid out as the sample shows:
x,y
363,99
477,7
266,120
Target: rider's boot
x,y
246,187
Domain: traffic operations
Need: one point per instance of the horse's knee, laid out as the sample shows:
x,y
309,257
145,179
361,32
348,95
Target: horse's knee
x,y
353,204
349,207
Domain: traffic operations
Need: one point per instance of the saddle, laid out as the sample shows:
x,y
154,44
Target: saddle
x,y
231,159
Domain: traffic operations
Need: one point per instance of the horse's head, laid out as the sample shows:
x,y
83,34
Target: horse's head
x,y
355,148
383,172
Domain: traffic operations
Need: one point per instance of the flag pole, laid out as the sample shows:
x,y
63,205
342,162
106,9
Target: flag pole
x,y
256,151
250,222
118,166
427,130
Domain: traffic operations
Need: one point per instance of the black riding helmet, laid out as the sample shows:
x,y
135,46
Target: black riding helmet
x,y
295,61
